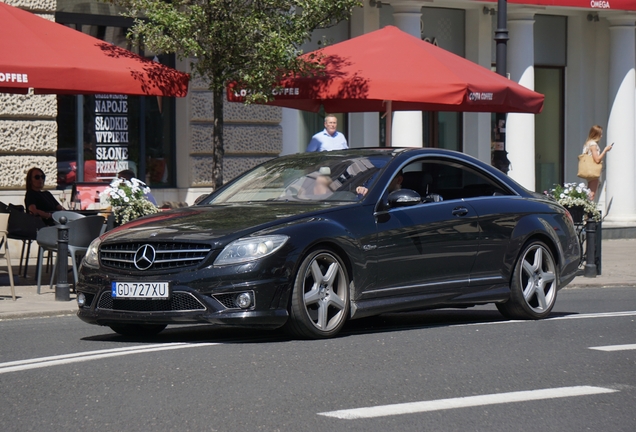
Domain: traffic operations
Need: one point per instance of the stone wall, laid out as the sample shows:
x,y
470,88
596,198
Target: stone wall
x,y
28,130
252,135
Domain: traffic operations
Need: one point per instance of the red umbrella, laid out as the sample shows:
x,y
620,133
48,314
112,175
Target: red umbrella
x,y
390,70
364,73
54,59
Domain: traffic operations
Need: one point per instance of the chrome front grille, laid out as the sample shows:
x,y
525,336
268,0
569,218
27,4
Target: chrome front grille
x,y
167,255
179,301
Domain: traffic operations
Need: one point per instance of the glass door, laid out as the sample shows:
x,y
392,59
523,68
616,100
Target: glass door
x,y
549,135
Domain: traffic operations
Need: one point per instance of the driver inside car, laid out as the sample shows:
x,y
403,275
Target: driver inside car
x,y
396,184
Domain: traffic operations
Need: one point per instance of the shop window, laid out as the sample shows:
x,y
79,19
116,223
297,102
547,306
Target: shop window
x,y
119,132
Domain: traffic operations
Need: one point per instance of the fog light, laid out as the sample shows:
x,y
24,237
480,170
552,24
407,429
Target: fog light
x,y
81,299
244,300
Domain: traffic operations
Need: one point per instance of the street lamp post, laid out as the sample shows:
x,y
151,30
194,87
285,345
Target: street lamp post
x,y
499,157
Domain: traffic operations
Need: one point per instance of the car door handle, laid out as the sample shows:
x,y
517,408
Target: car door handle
x,y
460,211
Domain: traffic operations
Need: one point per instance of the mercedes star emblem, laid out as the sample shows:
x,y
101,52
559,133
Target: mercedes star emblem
x,y
144,257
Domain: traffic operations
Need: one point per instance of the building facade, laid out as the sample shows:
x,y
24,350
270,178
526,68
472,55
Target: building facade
x,y
582,58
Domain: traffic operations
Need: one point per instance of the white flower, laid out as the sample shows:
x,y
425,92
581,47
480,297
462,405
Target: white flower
x,y
127,198
573,195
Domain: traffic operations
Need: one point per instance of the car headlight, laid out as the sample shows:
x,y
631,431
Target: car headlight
x,y
250,249
92,253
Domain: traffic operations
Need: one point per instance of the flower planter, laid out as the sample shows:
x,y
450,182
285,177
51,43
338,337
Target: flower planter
x,y
577,213
576,198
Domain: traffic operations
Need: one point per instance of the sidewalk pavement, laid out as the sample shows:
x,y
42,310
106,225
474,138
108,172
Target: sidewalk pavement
x,y
618,269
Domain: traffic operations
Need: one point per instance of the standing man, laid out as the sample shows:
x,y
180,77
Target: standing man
x,y
328,139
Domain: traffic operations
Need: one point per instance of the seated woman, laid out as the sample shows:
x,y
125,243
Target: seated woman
x,y
38,201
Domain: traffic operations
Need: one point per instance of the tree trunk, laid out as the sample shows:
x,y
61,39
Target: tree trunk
x,y
217,132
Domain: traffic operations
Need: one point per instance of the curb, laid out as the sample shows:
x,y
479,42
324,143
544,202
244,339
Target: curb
x,y
36,314
601,285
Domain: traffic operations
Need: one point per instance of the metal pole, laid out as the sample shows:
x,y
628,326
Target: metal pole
x,y
499,157
590,239
141,168
79,139
62,291
599,250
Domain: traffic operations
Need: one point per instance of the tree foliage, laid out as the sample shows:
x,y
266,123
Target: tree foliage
x,y
250,42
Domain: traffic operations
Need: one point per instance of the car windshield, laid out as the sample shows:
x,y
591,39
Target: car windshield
x,y
324,176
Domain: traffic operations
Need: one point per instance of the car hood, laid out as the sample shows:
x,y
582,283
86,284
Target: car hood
x,y
211,223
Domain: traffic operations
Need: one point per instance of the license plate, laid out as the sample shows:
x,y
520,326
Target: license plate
x,y
140,290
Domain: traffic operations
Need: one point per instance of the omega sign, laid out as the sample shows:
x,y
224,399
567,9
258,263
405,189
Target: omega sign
x,y
600,4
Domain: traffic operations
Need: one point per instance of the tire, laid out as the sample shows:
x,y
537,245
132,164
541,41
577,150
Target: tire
x,y
320,298
142,330
533,288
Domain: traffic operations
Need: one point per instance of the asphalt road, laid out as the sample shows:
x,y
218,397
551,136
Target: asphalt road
x,y
446,370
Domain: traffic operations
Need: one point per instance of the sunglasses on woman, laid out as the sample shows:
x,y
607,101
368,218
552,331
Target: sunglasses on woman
x,y
39,177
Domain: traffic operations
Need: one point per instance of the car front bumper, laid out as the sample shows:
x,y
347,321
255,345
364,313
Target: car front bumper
x,y
192,300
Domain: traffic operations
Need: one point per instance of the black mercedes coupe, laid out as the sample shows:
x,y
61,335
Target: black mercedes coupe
x,y
309,241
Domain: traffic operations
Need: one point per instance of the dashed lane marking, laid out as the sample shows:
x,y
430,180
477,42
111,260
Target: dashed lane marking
x,y
42,362
615,347
465,402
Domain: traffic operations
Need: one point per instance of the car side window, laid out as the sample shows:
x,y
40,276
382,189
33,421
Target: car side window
x,y
448,179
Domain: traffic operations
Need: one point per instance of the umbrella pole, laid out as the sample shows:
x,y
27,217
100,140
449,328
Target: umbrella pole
x,y
79,138
389,121
499,158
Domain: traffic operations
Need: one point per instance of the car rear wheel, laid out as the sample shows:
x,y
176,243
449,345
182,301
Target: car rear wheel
x,y
320,299
143,330
533,289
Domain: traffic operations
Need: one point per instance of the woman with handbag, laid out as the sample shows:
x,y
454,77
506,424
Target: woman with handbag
x,y
591,160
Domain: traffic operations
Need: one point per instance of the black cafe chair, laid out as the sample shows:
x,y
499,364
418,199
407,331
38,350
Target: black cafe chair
x,y
69,215
81,232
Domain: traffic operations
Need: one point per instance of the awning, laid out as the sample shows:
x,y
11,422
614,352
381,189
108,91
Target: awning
x,y
625,5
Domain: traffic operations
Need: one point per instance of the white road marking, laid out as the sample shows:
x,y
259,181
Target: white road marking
x,y
464,402
95,355
42,362
615,347
595,315
565,317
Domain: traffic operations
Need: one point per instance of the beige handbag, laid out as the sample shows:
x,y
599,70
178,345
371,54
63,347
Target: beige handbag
x,y
588,169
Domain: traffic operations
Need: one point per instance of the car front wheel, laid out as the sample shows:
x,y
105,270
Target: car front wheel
x,y
320,298
533,289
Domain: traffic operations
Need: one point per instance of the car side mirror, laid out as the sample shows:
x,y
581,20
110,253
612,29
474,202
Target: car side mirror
x,y
403,198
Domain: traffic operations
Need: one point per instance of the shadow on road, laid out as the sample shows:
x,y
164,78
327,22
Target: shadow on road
x,y
400,321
